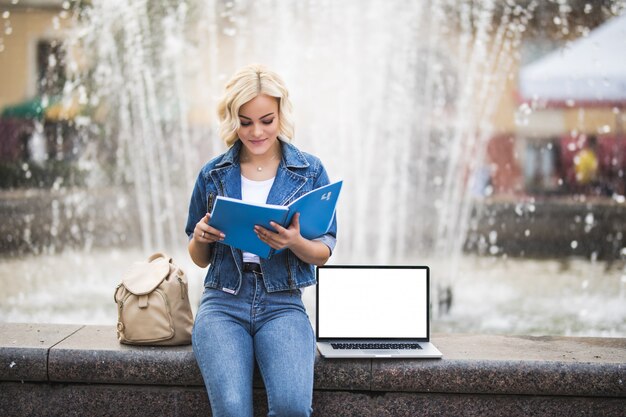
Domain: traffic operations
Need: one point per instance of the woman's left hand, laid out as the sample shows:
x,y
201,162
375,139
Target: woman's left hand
x,y
281,238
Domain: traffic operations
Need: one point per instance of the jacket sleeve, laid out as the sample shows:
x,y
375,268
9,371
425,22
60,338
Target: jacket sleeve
x,y
330,238
197,205
197,208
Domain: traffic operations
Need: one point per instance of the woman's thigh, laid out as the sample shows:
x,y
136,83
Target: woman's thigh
x,y
224,351
285,352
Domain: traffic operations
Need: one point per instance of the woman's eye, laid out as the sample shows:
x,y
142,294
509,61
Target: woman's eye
x,y
246,123
268,122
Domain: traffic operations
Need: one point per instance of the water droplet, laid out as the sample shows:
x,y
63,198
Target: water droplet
x,y
571,146
230,31
522,114
589,218
574,244
122,203
6,14
527,232
619,198
493,250
585,284
556,20
588,8
493,237
52,61
57,183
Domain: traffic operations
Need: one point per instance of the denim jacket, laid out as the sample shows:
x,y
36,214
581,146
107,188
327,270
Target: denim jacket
x,y
297,174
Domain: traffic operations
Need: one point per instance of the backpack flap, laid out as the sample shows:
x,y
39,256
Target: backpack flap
x,y
144,277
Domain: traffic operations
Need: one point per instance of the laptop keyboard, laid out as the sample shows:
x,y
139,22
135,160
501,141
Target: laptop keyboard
x,y
375,345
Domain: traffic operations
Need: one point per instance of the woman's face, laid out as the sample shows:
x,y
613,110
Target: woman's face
x,y
259,124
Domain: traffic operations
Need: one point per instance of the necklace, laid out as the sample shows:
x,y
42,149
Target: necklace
x,y
259,168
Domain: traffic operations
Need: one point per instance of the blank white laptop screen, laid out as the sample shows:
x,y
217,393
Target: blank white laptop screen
x,y
372,303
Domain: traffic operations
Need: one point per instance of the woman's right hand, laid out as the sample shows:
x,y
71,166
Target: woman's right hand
x,y
203,233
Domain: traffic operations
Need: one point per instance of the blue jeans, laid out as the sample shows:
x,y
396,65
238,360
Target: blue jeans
x,y
231,331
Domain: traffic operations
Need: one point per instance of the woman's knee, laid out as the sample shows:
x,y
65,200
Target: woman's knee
x,y
285,405
231,403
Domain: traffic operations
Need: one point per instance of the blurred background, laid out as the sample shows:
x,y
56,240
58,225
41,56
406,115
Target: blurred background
x,y
484,138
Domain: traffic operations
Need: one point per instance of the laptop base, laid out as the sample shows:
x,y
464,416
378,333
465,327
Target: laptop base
x,y
427,351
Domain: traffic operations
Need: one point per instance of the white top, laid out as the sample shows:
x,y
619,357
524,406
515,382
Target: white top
x,y
254,192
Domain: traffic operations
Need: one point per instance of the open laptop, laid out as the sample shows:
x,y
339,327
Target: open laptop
x,y
374,312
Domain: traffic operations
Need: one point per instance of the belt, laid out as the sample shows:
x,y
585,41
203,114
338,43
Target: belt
x,y
251,267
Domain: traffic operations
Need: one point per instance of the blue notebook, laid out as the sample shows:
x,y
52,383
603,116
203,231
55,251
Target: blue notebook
x,y
236,218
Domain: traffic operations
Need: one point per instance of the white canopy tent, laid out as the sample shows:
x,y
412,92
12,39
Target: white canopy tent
x,y
590,70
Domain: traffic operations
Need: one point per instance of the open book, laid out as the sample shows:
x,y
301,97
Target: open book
x,y
236,218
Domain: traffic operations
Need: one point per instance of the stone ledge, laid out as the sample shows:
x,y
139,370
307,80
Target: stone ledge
x,y
51,364
523,365
476,364
24,349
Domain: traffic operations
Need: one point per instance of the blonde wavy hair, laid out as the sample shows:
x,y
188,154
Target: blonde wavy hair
x,y
247,83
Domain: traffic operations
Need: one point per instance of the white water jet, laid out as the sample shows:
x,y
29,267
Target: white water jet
x,y
396,98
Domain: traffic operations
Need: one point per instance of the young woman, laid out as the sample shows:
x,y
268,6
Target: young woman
x,y
251,308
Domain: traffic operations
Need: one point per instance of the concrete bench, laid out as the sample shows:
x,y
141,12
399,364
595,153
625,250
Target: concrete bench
x,y
66,370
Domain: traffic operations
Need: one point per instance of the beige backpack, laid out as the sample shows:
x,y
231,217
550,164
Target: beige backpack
x,y
153,305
